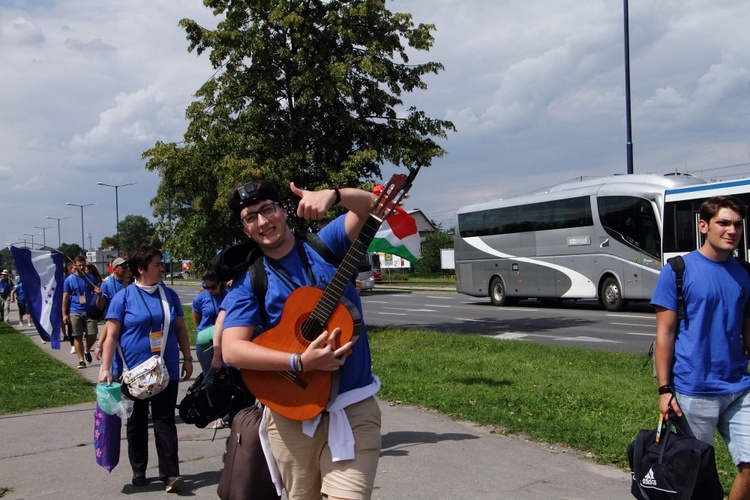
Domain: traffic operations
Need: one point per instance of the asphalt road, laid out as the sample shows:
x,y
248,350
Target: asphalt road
x,y
580,323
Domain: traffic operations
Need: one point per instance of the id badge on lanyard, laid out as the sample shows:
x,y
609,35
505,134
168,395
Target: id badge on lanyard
x,y
155,339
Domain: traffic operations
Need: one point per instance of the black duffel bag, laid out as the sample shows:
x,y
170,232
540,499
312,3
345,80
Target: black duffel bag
x,y
679,466
204,403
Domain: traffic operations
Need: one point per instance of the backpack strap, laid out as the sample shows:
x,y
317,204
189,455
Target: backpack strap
x,y
313,239
678,266
260,286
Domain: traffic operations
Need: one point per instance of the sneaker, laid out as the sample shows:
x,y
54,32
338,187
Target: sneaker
x,y
81,365
87,355
28,323
139,478
174,483
72,350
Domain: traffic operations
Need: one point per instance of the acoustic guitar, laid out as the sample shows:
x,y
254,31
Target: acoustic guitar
x,y
308,312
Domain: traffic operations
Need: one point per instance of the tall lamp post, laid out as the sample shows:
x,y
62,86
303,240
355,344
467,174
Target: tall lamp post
x,y
628,125
44,234
83,241
32,238
58,219
117,209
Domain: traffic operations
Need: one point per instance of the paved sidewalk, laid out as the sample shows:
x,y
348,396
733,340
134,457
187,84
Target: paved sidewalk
x,y
425,455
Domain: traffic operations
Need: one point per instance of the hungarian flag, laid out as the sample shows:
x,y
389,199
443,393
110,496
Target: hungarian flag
x,y
398,235
42,277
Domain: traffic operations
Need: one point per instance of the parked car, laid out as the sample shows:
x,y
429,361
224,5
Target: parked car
x,y
368,281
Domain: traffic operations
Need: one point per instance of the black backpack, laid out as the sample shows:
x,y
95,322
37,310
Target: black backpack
x,y
679,466
204,403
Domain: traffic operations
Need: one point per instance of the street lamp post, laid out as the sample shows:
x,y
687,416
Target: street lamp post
x,y
83,241
117,210
32,238
44,234
58,219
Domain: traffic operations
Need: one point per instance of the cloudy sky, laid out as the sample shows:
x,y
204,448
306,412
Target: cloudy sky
x,y
536,89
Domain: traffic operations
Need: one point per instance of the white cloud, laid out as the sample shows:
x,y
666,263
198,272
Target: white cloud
x,y
21,31
94,46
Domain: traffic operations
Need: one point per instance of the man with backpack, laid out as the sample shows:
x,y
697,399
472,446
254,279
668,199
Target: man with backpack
x,y
703,335
311,458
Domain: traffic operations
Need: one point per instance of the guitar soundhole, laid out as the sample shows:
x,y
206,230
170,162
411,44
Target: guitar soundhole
x,y
308,329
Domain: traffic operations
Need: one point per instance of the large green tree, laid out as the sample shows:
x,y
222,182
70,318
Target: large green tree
x,y
136,230
309,91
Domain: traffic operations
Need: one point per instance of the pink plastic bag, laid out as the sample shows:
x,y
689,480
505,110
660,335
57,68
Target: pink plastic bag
x,y
107,429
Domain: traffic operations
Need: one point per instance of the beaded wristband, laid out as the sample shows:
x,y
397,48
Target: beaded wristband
x,y
292,366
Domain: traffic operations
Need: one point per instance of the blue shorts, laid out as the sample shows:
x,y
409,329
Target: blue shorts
x,y
729,413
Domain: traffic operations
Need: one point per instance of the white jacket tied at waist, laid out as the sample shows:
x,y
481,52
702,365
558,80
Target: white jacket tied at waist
x,y
340,436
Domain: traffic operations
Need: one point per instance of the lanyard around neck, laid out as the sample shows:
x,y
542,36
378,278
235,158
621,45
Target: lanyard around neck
x,y
151,317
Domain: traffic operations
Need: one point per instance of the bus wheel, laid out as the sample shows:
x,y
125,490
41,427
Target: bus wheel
x,y
610,296
497,293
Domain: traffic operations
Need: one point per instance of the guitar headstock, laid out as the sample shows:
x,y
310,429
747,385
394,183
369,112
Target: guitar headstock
x,y
393,194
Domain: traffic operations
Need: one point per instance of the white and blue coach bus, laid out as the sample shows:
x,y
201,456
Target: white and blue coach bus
x,y
597,238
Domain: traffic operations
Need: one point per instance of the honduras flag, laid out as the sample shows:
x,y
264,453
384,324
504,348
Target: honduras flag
x,y
42,277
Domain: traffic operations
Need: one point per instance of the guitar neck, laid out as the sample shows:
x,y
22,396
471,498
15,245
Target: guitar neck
x,y
349,265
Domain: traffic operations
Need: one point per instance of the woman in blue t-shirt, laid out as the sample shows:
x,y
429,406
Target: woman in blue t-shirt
x,y
146,319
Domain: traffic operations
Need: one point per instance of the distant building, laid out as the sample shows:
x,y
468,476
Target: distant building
x,y
101,259
424,225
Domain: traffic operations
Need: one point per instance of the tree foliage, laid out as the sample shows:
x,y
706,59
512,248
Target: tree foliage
x,y
429,262
109,242
309,91
72,250
136,230
6,259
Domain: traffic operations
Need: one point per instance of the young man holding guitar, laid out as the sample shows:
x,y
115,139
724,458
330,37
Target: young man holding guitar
x,y
312,371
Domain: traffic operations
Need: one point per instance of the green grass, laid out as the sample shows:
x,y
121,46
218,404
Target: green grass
x,y
31,380
592,401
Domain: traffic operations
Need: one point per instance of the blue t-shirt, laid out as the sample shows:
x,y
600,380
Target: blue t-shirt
x,y
141,313
708,352
20,293
242,306
110,287
78,286
208,306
